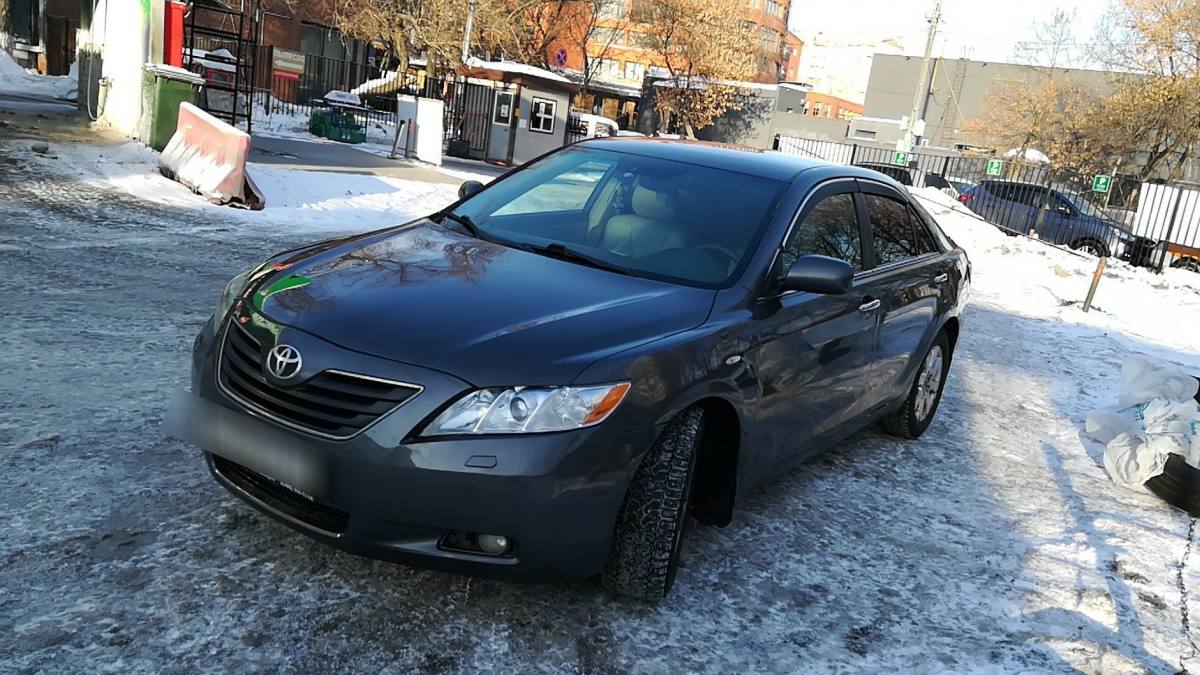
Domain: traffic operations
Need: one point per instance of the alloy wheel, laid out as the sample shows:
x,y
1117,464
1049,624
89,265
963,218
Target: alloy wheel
x,y
929,383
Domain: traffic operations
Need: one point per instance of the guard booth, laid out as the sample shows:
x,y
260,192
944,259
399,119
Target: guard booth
x,y
522,115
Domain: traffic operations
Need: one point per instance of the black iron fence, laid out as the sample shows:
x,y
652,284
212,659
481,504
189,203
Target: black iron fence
x,y
1146,224
306,79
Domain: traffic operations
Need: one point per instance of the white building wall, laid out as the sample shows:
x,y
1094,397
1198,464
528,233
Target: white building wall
x,y
122,37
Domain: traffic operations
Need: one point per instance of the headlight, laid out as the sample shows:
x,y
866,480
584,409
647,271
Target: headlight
x,y
525,410
232,290
236,285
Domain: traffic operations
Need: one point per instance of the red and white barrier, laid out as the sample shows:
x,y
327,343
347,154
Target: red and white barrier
x,y
209,156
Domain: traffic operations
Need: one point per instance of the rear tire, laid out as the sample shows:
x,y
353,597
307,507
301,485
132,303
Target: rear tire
x,y
649,532
1189,264
1178,485
925,395
1091,247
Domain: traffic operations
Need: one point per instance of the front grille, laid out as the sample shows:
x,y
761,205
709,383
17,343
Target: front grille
x,y
332,404
275,496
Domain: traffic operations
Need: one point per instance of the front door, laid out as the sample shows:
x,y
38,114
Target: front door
x,y
503,117
812,353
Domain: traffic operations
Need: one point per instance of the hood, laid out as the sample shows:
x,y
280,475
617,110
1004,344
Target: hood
x,y
486,313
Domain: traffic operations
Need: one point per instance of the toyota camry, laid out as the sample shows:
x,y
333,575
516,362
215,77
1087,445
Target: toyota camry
x,y
552,376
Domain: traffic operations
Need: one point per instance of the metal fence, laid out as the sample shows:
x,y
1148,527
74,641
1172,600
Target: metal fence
x,y
1146,224
280,91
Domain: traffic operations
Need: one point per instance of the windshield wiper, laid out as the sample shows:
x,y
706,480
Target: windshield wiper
x,y
557,250
467,223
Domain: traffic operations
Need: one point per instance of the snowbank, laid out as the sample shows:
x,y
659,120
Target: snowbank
x,y
17,81
297,200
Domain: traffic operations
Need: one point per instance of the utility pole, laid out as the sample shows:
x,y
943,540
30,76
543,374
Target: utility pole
x,y
466,48
910,134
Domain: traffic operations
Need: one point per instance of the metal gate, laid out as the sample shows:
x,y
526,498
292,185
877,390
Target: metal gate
x,y
467,114
229,77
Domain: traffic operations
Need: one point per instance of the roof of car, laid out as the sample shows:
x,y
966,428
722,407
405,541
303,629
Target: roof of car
x,y
751,161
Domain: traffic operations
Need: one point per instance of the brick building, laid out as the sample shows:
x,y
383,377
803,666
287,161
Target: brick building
x,y
621,64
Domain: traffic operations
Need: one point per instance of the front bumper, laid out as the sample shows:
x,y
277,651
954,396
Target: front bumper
x,y
382,494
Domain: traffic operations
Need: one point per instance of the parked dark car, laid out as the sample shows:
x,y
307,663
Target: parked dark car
x,y
547,378
899,174
1077,223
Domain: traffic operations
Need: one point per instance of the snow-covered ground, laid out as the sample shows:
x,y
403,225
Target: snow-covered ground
x,y
297,201
994,544
1037,280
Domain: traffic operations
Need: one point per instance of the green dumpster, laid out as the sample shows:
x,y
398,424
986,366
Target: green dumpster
x,y
163,89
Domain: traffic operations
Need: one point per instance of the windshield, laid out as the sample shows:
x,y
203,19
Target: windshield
x,y
644,216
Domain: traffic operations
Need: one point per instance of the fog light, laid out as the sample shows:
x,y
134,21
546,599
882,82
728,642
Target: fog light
x,y
493,544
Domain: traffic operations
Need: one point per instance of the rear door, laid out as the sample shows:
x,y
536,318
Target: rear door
x,y
1010,205
812,352
908,274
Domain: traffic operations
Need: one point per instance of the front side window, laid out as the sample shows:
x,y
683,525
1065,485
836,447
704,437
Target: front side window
x,y
830,229
652,217
898,236
541,116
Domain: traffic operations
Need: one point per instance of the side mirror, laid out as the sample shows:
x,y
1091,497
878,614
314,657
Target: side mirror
x,y
819,274
1064,211
469,188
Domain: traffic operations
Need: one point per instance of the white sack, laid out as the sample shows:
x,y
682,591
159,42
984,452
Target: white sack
x,y
1157,416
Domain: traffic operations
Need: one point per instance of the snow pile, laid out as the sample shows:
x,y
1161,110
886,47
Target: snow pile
x,y
17,81
1158,416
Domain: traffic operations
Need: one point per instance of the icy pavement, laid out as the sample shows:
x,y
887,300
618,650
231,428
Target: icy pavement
x,y
995,543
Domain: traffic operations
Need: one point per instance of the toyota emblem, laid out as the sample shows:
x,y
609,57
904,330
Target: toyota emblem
x,y
284,362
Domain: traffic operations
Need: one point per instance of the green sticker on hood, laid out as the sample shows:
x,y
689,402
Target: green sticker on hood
x,y
285,284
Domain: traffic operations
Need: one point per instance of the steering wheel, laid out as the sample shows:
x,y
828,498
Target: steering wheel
x,y
720,254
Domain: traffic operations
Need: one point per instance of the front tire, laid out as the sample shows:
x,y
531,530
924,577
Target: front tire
x,y
649,532
925,395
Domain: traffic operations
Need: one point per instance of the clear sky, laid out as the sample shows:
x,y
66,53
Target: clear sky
x,y
984,30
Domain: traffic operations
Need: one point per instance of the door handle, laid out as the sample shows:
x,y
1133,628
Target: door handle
x,y
869,306
941,278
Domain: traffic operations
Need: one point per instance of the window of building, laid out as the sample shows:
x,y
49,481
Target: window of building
x,y
644,11
635,70
614,9
830,229
608,36
541,116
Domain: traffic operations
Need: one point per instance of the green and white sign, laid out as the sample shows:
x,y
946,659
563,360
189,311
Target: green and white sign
x,y
995,167
900,159
1102,183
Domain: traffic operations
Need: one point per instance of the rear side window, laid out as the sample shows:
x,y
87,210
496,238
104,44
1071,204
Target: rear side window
x,y
898,234
829,229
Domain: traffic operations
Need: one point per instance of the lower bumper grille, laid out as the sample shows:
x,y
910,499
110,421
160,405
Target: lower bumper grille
x,y
332,404
275,496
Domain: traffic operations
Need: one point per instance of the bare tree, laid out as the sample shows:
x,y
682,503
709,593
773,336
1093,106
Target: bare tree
x,y
521,30
594,29
1153,117
706,49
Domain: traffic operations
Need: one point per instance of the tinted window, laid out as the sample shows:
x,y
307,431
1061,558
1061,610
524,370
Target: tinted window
x,y
829,229
898,235
657,218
